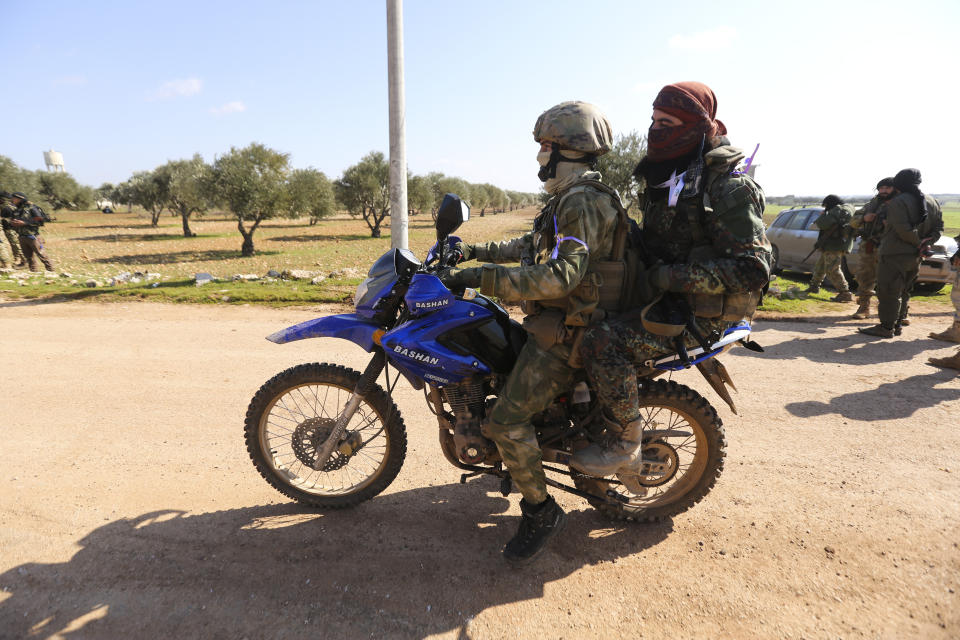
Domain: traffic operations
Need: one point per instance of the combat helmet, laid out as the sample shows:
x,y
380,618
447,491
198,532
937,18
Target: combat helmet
x,y
575,126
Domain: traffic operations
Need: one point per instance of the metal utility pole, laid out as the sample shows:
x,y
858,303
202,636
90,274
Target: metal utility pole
x,y
398,143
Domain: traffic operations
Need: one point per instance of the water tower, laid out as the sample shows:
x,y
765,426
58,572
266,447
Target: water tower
x,y
53,160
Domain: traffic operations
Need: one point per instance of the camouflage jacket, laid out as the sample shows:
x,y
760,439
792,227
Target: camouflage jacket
x,y
833,236
28,214
901,216
7,212
575,228
868,230
726,210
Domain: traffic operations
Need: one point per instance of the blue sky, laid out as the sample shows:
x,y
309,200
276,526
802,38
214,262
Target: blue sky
x,y
837,94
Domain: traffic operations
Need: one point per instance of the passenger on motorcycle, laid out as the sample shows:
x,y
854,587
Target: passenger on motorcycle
x,y
559,287
703,226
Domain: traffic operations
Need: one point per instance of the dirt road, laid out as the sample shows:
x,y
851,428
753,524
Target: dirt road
x,y
129,507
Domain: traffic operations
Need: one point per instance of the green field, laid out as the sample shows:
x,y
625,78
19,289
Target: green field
x,y
91,246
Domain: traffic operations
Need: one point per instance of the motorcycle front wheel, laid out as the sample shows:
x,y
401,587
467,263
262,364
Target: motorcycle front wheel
x,y
685,458
294,413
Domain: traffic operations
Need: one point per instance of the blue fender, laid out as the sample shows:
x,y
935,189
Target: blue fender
x,y
348,326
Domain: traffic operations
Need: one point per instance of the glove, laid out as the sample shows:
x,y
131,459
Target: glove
x,y
457,251
464,251
458,279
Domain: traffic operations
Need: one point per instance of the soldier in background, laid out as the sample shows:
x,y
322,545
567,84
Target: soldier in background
x,y
12,237
834,242
703,225
868,226
27,220
912,222
560,289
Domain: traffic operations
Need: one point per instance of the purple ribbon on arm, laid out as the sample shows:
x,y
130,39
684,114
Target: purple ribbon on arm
x,y
746,166
559,238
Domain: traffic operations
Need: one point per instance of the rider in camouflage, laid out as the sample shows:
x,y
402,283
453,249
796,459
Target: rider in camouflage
x,y
703,228
868,225
559,288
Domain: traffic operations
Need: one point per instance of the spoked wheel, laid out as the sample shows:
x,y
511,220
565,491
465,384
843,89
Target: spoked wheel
x,y
294,413
683,451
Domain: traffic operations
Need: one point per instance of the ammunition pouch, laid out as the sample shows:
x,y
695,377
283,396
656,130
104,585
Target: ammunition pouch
x,y
730,307
547,328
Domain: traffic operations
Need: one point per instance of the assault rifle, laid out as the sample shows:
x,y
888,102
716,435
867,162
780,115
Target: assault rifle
x,y
827,236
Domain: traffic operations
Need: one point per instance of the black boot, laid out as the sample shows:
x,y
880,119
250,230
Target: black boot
x,y
538,524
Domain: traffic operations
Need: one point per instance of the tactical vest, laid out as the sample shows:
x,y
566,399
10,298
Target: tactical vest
x,y
728,307
607,282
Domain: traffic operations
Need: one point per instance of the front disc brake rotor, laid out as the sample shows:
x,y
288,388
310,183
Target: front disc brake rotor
x,y
307,439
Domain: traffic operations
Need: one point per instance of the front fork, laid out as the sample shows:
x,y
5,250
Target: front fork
x,y
367,378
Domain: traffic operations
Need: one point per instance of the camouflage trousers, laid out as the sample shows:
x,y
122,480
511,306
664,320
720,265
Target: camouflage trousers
x,y
828,264
32,248
895,278
538,377
612,351
6,257
867,273
14,239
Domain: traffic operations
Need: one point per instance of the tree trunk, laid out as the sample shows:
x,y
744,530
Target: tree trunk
x,y
155,217
246,249
186,225
375,231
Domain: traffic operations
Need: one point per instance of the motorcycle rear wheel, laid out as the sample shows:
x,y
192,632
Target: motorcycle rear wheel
x,y
291,416
695,461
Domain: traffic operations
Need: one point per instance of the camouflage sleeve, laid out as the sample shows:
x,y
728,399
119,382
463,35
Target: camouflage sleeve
x,y
871,207
898,220
741,253
506,251
555,277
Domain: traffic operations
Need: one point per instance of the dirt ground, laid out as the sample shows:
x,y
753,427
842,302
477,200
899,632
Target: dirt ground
x,y
129,507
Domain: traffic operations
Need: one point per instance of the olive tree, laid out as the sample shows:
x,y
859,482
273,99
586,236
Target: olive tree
x,y
617,167
187,191
150,190
252,183
311,194
364,189
420,196
62,191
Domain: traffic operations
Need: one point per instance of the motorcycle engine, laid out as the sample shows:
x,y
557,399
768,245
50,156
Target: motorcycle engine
x,y
467,402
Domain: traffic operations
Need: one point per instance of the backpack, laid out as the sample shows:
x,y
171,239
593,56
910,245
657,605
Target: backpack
x,y
931,222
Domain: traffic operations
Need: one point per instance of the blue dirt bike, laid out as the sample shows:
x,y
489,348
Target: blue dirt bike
x,y
329,436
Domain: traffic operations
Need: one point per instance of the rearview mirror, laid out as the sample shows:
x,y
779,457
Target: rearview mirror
x,y
453,212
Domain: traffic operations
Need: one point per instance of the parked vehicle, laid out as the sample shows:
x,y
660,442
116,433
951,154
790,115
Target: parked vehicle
x,y
329,436
793,234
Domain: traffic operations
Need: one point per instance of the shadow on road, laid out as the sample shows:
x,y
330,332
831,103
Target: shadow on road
x,y
407,564
914,393
854,348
